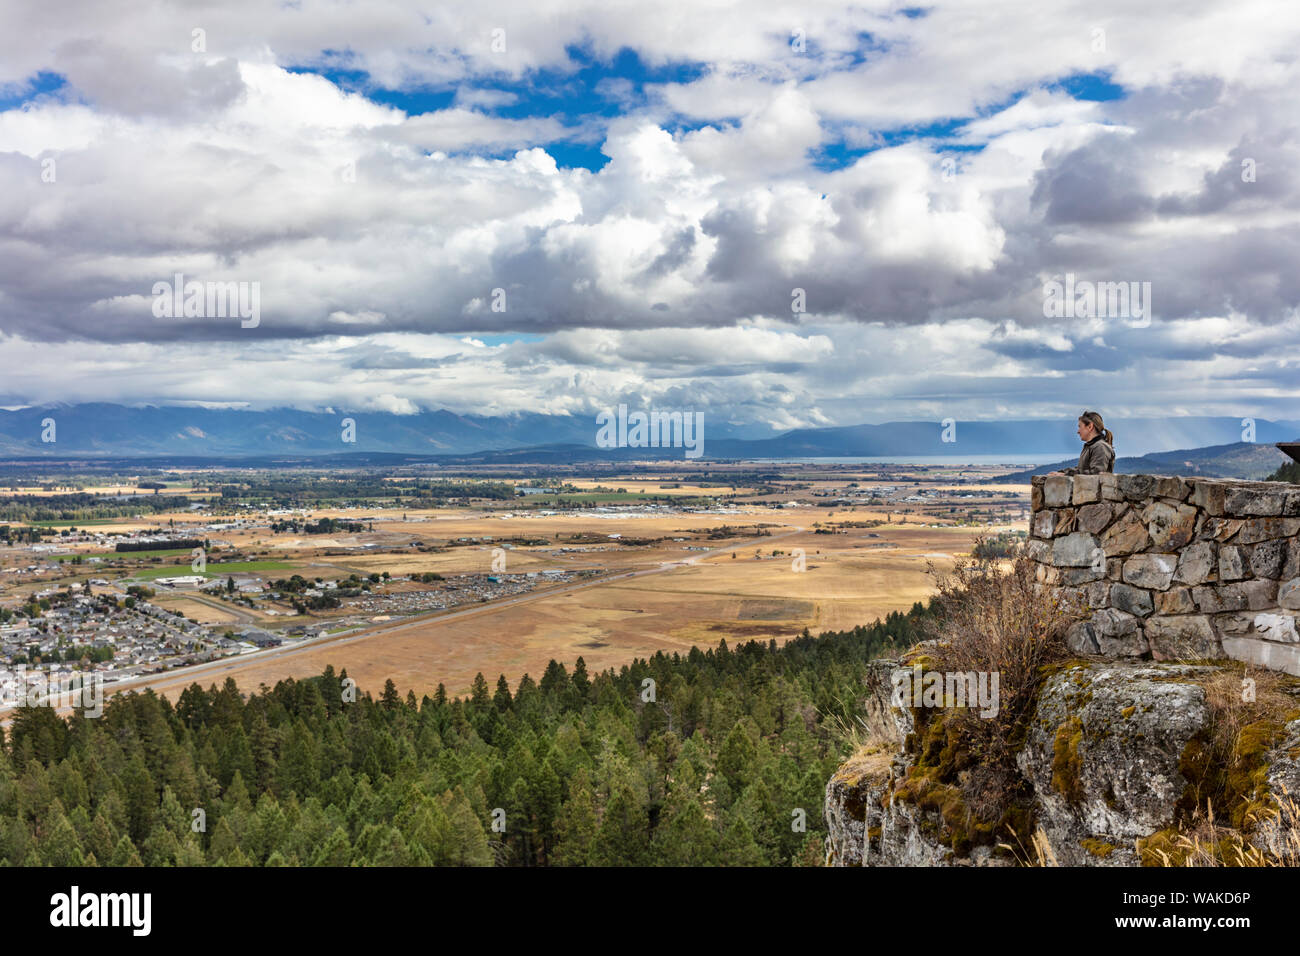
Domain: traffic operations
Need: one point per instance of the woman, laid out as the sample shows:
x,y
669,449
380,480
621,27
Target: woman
x,y
1098,455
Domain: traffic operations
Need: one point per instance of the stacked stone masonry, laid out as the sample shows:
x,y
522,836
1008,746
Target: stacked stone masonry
x,y
1172,568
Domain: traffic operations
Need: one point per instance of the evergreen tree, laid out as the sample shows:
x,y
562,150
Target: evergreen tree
x,y
623,838
586,772
576,829
502,700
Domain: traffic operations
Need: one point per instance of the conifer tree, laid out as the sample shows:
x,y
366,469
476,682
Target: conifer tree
x,y
623,838
124,854
576,828
502,700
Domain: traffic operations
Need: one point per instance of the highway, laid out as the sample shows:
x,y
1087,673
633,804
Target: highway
x,y
216,671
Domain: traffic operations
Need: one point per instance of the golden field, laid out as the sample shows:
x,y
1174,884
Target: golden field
x,y
662,595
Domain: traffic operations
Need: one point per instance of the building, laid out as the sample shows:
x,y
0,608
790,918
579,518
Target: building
x,y
182,581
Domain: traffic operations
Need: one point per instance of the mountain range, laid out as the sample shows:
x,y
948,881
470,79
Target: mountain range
x,y
101,430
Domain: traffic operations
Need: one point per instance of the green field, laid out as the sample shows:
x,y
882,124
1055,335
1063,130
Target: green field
x,y
213,570
611,497
129,555
77,522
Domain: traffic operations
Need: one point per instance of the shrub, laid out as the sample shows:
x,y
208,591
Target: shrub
x,y
989,618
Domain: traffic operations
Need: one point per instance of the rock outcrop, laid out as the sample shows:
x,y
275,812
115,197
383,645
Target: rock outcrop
x,y
1117,753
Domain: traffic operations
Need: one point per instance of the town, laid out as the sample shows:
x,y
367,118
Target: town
x,y
133,577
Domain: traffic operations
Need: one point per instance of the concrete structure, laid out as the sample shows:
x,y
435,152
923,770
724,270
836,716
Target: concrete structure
x,y
1173,568
182,581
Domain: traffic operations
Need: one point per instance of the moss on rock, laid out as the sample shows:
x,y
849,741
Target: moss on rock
x,y
1066,764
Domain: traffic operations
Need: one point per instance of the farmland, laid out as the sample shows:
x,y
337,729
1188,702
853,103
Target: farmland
x,y
433,584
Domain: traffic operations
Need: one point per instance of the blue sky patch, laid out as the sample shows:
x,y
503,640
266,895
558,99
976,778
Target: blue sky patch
x,y
1095,87
18,94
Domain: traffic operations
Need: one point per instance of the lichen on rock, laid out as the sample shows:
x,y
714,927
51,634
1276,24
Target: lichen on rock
x,y
1120,764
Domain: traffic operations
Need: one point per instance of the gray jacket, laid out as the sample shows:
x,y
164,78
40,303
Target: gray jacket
x,y
1096,458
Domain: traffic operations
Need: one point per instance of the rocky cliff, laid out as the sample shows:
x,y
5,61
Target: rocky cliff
x,y
1145,736
1115,769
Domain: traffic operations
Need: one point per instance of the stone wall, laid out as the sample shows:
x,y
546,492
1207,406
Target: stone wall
x,y
1173,568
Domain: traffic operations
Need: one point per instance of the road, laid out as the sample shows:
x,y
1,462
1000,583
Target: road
x,y
216,671
244,615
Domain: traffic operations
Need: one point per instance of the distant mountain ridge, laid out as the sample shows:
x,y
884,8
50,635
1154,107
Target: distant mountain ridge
x,y
102,430
1237,460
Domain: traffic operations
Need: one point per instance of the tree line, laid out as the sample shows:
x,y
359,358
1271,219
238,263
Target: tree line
x,y
714,757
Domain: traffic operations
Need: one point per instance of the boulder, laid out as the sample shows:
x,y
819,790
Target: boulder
x,y
1220,529
1073,577
1209,496
1170,526
1272,834
1094,518
1197,563
1118,634
1056,491
1266,559
1171,487
1127,535
1291,567
1232,563
1291,504
1037,550
1103,750
1101,769
1131,600
1081,638
1214,599
1087,488
1175,601
1077,550
1260,594
1254,530
1136,487
1244,502
1150,570
1184,637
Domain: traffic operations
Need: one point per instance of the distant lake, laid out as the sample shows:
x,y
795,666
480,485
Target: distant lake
x,y
1042,459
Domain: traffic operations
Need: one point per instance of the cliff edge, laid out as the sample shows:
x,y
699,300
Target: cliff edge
x,y
1145,647
1124,763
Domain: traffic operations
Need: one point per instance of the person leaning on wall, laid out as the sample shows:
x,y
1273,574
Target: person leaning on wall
x,y
1098,454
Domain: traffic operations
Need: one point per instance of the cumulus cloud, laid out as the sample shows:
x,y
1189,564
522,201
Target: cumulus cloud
x,y
797,222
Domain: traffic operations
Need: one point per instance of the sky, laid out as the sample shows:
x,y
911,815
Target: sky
x,y
781,214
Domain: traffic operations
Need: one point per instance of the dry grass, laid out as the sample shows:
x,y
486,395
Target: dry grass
x,y
991,620
1038,853
1233,819
1207,843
